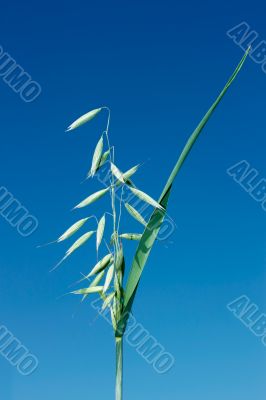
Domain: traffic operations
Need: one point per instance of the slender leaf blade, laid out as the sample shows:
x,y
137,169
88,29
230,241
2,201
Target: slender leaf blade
x,y
153,227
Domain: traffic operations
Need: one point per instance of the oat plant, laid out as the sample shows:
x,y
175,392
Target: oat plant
x,y
106,277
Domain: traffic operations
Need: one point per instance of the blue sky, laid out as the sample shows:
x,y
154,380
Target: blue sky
x,y
158,66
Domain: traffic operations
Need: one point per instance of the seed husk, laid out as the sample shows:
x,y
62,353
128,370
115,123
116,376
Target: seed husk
x,y
93,197
95,282
135,214
73,229
131,236
108,300
102,162
109,277
96,159
117,173
89,290
83,119
100,232
79,242
130,172
145,197
101,265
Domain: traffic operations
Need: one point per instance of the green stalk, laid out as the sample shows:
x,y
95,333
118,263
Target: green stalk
x,y
118,310
119,368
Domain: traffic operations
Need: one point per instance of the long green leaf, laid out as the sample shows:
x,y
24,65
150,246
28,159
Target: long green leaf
x,y
153,227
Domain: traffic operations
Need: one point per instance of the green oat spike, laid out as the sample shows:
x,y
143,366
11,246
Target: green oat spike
x,y
100,232
78,243
96,159
108,300
117,173
145,197
95,282
83,119
131,236
103,160
127,175
109,277
92,198
89,290
73,229
102,264
135,214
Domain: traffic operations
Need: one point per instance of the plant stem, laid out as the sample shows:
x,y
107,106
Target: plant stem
x,y
118,308
112,188
119,368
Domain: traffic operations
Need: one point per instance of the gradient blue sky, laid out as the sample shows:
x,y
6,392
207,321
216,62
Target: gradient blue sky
x,y
158,66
